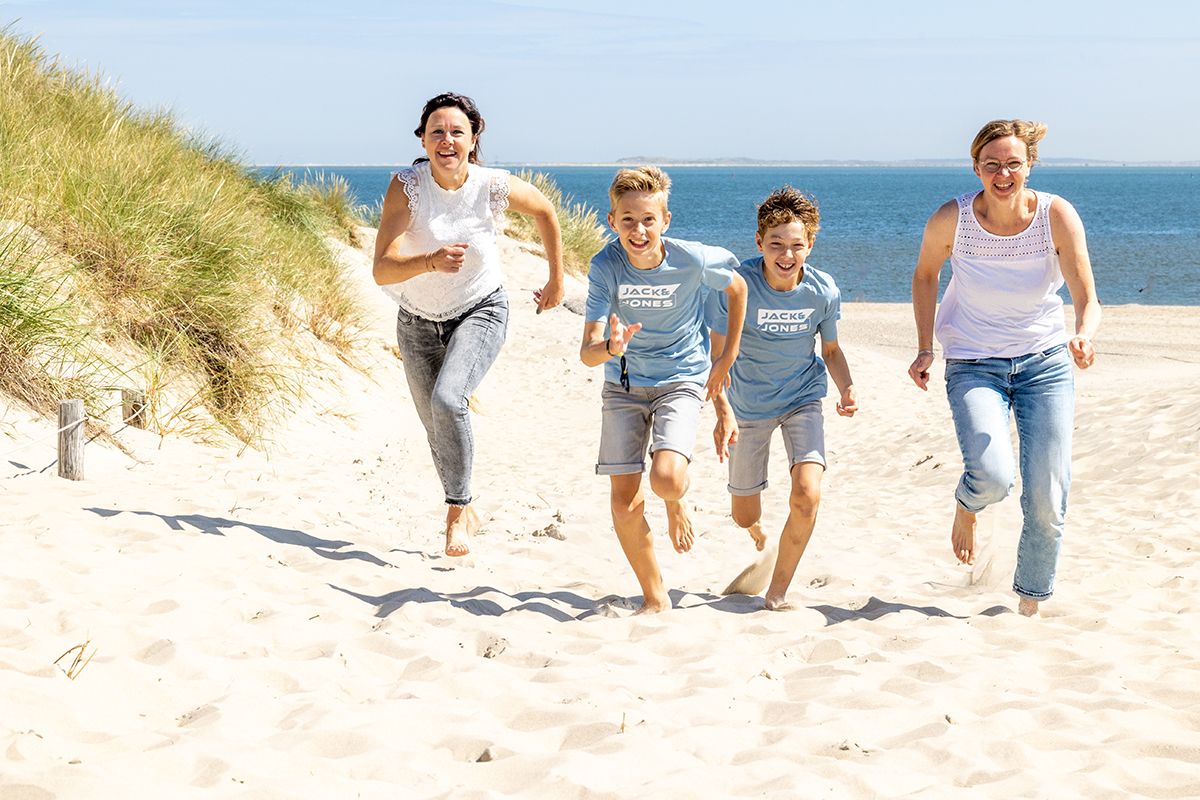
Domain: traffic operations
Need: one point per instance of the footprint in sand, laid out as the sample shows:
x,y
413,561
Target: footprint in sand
x,y
158,653
490,645
161,607
202,715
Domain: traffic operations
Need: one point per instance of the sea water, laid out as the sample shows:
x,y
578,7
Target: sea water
x,y
1142,223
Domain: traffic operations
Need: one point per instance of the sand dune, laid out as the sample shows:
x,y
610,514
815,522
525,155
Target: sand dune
x,y
282,623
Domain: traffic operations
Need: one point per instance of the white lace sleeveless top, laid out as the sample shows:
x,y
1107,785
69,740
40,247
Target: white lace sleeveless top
x,y
473,213
1002,300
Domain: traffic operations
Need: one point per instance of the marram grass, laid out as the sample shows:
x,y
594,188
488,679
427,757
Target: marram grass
x,y
582,233
164,243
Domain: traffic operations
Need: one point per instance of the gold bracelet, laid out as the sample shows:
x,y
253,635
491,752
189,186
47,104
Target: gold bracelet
x,y
429,262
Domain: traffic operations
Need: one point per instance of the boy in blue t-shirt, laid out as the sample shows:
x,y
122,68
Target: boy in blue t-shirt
x,y
778,380
645,323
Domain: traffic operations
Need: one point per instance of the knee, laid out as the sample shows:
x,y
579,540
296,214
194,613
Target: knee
x,y
989,484
668,481
745,517
625,507
804,500
625,495
447,404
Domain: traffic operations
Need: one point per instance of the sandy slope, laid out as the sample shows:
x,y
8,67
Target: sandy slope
x,y
283,624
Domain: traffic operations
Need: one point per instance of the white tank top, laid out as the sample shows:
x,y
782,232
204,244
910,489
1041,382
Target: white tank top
x,y
1002,300
473,213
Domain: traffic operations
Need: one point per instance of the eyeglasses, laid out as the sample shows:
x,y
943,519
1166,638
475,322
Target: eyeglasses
x,y
992,167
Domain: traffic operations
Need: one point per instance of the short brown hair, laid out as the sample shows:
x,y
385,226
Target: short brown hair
x,y
789,205
645,178
1028,132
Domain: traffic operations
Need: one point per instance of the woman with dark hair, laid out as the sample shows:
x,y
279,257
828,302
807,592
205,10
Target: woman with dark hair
x,y
436,255
1004,339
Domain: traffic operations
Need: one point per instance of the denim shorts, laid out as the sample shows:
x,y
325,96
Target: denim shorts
x,y
665,417
803,438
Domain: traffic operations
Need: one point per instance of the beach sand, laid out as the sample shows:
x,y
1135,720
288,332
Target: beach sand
x,y
281,623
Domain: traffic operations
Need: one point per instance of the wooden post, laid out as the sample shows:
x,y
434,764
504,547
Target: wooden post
x,y
70,439
133,407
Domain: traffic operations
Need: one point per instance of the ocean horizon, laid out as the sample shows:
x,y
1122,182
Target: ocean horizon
x,y
1142,222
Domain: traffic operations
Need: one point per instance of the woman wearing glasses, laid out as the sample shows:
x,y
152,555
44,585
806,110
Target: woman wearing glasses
x,y
436,255
1003,336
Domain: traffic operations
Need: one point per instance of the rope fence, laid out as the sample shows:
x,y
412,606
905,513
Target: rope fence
x,y
71,422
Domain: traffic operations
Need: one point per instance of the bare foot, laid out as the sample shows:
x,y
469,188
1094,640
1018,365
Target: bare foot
x,y
756,533
650,606
780,603
1028,607
679,526
461,522
962,535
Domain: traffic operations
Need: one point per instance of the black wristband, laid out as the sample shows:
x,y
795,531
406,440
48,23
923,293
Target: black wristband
x,y
610,352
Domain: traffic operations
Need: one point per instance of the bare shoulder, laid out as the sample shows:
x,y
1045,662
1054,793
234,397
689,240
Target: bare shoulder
x,y
942,224
946,215
1064,219
524,197
1061,211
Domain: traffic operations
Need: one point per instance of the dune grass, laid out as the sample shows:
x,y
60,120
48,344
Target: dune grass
x,y
43,350
168,245
583,234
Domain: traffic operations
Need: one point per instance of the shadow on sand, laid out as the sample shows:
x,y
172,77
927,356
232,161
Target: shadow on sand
x,y
876,608
549,604
217,526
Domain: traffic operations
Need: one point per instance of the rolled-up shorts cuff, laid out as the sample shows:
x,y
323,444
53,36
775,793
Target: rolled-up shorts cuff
x,y
747,492
621,469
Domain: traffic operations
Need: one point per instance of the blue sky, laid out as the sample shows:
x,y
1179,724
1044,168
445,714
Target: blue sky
x,y
308,82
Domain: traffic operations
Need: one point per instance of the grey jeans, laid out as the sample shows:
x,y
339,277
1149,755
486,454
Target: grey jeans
x,y
444,363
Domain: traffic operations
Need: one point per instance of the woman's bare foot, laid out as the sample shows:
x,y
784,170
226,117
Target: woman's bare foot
x,y
461,522
679,526
962,535
756,533
1028,607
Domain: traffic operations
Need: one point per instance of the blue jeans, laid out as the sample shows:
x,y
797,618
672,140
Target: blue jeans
x,y
1039,390
444,363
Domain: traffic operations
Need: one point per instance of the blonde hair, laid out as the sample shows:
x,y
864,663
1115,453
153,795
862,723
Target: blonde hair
x,y
1028,132
646,178
789,205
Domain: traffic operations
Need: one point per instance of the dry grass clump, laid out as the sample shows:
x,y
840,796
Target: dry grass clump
x,y
583,234
170,245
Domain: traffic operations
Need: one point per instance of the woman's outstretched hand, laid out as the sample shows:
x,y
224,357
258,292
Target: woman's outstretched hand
x,y
1082,350
549,295
919,371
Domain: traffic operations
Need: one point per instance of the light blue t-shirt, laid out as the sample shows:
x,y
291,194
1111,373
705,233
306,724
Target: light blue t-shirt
x,y
777,368
668,300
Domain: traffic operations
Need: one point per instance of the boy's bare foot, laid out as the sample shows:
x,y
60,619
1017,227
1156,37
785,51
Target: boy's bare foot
x,y
654,606
780,603
962,535
756,533
1028,607
461,522
679,526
